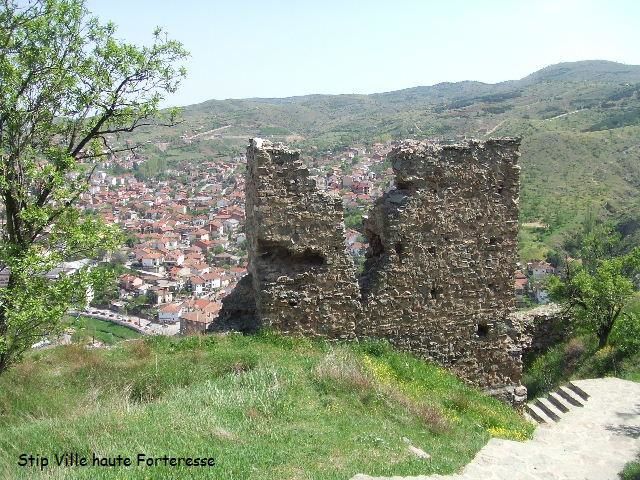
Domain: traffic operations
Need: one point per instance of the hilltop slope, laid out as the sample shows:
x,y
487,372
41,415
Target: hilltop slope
x,y
264,406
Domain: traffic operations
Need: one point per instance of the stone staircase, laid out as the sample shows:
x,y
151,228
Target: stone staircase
x,y
554,405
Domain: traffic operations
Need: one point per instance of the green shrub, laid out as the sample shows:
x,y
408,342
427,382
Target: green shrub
x,y
631,471
545,372
625,335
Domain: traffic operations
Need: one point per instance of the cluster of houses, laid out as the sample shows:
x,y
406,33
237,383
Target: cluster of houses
x,y
185,248
530,283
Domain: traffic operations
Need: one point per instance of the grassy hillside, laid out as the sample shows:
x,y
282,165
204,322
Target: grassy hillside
x,y
264,406
580,124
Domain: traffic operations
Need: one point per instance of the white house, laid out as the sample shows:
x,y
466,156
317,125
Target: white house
x,y
231,225
170,313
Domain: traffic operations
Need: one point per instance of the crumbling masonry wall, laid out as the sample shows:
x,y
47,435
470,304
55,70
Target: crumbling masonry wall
x,y
303,280
440,269
438,279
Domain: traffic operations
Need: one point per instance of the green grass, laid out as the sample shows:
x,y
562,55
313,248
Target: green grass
x,y
106,332
264,406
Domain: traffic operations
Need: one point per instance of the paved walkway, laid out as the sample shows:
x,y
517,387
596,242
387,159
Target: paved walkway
x,y
593,442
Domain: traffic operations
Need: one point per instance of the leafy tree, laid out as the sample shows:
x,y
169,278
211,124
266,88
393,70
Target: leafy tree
x,y
105,286
600,242
597,296
626,335
68,90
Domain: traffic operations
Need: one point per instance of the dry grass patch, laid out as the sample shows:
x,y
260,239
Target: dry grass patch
x,y
431,417
340,369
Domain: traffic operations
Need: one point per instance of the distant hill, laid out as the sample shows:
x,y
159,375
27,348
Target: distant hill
x,y
580,124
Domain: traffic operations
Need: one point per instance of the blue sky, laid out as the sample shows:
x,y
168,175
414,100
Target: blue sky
x,y
242,48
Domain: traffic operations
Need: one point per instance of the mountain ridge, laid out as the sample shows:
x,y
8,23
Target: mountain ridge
x,y
548,71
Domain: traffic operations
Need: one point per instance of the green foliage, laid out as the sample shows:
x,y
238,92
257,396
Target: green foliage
x,y
353,219
556,365
140,304
580,357
621,119
631,471
153,168
597,292
598,242
105,285
625,335
274,130
68,89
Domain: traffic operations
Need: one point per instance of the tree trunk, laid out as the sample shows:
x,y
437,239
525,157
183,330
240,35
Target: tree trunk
x,y
4,357
4,362
4,328
603,333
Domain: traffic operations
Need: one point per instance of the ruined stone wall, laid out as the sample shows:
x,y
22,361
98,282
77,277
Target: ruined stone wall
x,y
439,276
440,273
303,280
541,328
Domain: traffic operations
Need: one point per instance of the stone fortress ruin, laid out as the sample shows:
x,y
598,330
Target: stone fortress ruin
x,y
439,274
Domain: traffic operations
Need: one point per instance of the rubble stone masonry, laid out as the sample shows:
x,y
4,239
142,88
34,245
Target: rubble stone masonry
x,y
439,274
303,279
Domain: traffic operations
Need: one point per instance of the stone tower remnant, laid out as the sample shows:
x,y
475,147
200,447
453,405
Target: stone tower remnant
x,y
438,279
303,279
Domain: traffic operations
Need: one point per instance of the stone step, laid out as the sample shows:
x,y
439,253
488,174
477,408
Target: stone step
x,y
529,417
576,389
557,402
538,415
569,396
558,412
549,409
538,402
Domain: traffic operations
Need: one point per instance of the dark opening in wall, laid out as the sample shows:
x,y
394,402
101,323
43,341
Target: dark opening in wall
x,y
432,250
375,244
399,248
436,292
278,253
482,330
493,241
500,189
